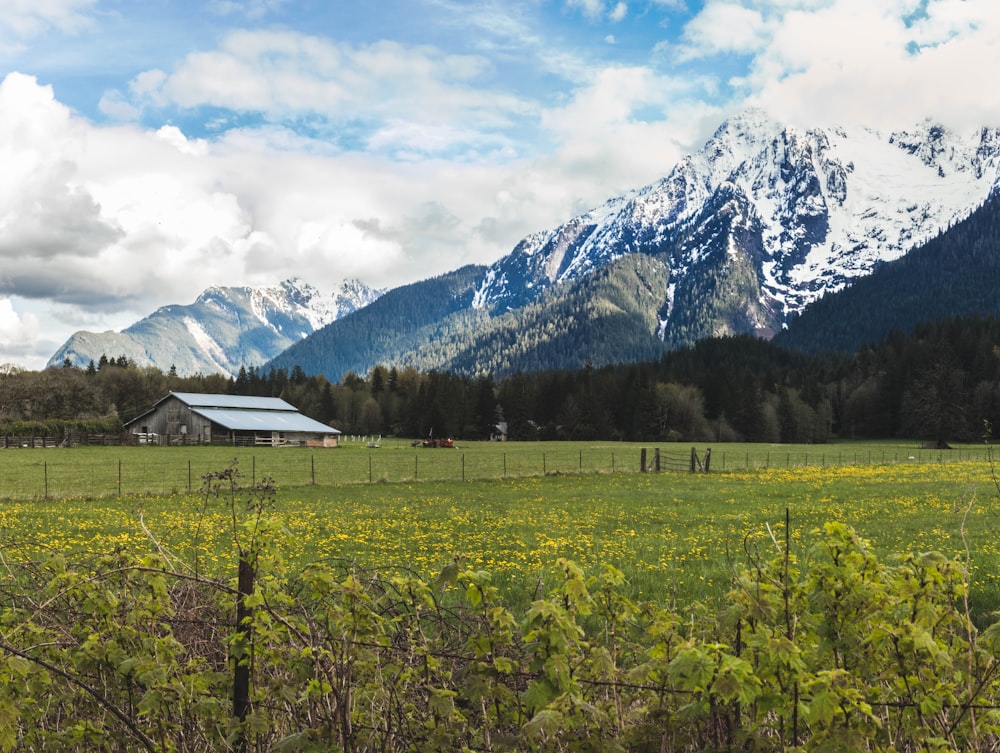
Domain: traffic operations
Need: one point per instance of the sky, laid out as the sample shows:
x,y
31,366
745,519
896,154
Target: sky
x,y
152,148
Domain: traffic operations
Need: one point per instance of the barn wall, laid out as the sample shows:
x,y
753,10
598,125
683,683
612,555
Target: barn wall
x,y
171,418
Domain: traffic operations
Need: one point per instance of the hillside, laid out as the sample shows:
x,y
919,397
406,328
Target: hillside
x,y
957,273
738,238
404,321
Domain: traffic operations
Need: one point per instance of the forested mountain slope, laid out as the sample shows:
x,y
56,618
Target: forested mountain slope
x,y
957,273
404,320
608,317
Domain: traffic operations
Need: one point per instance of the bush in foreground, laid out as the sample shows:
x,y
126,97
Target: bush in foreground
x,y
140,652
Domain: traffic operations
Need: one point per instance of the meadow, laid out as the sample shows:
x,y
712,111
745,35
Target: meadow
x,y
676,535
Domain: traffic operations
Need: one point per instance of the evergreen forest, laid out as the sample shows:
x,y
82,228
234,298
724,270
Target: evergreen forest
x,y
938,383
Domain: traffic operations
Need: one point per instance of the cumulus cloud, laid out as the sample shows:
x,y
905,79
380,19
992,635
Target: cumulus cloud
x,y
107,223
625,127
13,326
884,64
48,216
723,27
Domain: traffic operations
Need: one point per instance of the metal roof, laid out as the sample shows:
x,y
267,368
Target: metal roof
x,y
242,402
241,419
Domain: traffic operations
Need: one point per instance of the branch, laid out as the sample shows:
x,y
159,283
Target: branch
x,y
101,700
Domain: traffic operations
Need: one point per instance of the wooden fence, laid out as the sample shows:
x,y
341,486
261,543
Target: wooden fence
x,y
661,461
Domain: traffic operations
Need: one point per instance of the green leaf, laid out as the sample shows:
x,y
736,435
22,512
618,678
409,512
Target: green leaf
x,y
735,681
447,577
545,723
822,707
931,704
691,669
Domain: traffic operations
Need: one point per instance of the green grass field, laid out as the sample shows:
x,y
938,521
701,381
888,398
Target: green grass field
x,y
676,535
121,471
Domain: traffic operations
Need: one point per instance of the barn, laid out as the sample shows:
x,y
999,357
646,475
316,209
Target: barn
x,y
196,418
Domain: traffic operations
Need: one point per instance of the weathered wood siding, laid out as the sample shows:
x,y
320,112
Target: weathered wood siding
x,y
173,418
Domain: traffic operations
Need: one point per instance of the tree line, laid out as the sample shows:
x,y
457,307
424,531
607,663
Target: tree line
x,y
939,383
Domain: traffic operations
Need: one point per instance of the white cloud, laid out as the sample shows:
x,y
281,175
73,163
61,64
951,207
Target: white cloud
x,y
590,8
858,61
27,18
723,27
106,223
627,127
18,333
596,9
287,74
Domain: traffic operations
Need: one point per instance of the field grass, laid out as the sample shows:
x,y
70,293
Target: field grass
x,y
119,471
675,535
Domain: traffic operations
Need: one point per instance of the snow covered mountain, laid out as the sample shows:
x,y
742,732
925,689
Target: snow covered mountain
x,y
763,220
738,238
224,329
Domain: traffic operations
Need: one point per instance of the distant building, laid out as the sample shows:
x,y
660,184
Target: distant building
x,y
195,418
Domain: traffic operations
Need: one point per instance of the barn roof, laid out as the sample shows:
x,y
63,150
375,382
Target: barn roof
x,y
238,402
236,419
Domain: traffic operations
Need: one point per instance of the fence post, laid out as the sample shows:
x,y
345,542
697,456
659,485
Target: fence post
x,y
241,660
694,460
312,470
642,461
463,466
708,457
120,477
656,459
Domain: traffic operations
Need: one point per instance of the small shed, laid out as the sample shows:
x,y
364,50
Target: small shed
x,y
198,418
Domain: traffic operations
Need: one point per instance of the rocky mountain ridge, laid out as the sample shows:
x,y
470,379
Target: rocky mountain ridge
x,y
224,329
742,235
808,210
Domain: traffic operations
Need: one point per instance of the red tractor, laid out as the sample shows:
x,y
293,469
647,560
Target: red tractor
x,y
438,442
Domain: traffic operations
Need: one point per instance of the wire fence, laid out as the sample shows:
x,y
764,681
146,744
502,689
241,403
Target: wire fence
x,y
111,471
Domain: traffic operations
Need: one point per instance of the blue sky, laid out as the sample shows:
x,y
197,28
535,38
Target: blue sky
x,y
155,147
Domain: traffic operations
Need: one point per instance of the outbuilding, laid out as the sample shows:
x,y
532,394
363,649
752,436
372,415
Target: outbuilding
x,y
198,418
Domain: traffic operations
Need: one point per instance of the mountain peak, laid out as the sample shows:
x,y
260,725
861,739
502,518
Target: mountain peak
x,y
832,204
225,328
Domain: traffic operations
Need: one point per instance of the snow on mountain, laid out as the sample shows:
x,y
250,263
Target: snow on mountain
x,y
810,209
225,329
